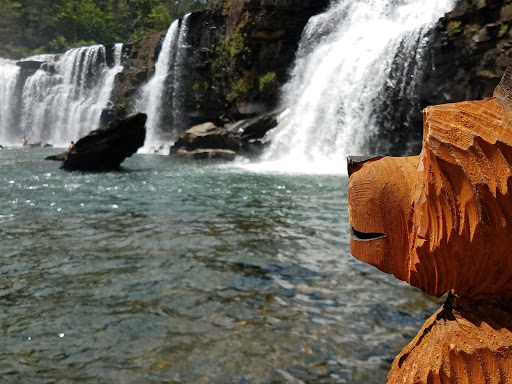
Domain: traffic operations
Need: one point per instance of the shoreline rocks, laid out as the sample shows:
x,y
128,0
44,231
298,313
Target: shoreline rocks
x,y
225,142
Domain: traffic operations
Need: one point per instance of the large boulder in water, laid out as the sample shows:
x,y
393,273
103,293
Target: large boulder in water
x,y
207,135
244,137
105,148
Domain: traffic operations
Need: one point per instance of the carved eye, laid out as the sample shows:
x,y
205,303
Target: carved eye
x,y
364,236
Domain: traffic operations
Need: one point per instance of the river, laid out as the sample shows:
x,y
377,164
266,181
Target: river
x,y
178,272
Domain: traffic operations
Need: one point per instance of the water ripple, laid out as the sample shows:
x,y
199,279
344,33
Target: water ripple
x,y
185,273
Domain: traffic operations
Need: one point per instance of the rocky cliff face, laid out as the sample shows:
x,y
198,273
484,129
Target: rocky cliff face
x,y
471,48
467,53
238,55
139,60
257,47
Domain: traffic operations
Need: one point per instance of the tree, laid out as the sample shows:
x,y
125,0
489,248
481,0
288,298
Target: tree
x,y
34,26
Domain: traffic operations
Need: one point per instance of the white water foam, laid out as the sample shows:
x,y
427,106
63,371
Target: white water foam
x,y
163,90
61,102
9,73
343,62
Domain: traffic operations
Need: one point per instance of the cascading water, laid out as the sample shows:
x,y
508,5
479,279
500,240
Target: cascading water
x,y
9,73
61,101
342,68
161,96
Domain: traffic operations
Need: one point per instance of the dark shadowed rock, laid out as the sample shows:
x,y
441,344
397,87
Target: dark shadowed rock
x,y
209,136
208,154
238,53
209,141
256,127
30,65
105,148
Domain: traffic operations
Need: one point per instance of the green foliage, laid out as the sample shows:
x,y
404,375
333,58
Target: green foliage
x,y
226,66
58,44
268,82
236,45
454,27
159,18
240,89
228,5
201,86
30,26
9,14
504,28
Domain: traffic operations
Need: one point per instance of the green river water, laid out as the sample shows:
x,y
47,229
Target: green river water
x,y
175,272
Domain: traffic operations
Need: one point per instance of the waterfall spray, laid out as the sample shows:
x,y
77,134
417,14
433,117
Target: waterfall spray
x,y
343,63
9,74
161,96
62,100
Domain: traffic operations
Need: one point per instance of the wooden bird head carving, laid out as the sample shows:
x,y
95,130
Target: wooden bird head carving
x,y
442,221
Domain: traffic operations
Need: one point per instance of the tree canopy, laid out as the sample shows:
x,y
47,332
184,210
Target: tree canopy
x,y
37,26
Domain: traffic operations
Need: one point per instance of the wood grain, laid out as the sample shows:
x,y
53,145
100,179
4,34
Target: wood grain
x,y
442,222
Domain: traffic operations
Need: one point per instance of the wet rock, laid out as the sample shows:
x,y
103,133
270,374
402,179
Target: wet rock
x,y
256,127
207,154
49,67
30,65
207,135
245,137
238,53
105,148
39,144
58,157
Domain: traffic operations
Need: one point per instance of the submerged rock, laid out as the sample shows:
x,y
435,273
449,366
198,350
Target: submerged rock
x,y
105,148
208,154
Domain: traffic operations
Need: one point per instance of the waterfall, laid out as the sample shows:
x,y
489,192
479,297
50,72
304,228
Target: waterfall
x,y
62,100
342,70
9,74
161,96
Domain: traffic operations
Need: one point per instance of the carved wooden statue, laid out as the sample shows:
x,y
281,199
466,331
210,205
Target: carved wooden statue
x,y
442,222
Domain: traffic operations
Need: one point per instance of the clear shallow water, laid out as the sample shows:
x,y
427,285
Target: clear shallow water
x,y
188,273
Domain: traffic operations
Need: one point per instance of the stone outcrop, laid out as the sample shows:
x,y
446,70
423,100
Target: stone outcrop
x,y
238,55
244,50
440,222
470,49
30,65
466,53
225,141
138,61
106,148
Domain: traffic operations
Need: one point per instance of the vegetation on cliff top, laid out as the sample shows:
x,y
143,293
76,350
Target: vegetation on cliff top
x,y
36,26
